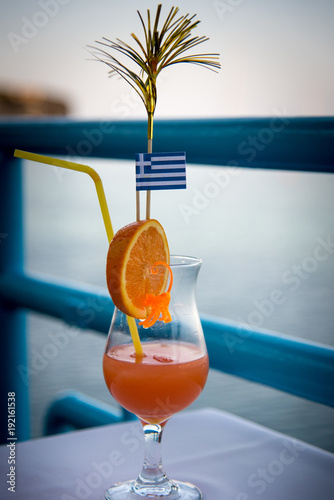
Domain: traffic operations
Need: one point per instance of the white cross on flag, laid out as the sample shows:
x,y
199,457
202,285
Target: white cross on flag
x,y
160,171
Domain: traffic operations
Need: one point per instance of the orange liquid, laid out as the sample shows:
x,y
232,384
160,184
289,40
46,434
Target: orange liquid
x,y
167,379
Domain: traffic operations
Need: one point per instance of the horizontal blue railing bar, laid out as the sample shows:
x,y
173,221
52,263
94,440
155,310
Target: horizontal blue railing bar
x,y
73,304
295,366
277,142
71,410
292,365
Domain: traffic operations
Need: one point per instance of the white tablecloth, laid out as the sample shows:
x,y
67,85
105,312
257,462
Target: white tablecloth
x,y
227,457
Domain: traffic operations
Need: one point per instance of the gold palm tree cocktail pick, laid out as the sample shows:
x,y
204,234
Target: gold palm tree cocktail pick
x,y
159,50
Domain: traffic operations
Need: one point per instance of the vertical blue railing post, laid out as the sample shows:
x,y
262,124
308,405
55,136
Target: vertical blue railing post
x,y
13,352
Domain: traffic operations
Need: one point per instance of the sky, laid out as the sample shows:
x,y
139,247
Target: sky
x,y
276,57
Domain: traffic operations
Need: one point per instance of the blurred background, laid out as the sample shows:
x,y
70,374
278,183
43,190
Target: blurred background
x,y
274,55
256,232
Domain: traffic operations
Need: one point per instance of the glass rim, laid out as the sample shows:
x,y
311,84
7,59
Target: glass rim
x,y
184,261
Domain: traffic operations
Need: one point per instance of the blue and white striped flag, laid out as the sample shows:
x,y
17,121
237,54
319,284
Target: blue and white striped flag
x,y
160,171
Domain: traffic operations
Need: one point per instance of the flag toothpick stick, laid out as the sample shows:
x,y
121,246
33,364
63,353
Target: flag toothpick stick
x,y
137,206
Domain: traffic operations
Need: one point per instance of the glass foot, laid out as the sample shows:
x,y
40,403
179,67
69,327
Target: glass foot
x,y
178,491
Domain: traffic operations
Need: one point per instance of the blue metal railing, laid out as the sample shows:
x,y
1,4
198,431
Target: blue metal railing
x,y
306,144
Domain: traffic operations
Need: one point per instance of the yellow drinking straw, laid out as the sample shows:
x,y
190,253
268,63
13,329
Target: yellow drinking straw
x,y
79,168
104,209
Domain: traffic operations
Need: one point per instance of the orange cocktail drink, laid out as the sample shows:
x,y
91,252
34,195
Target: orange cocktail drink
x,y
169,377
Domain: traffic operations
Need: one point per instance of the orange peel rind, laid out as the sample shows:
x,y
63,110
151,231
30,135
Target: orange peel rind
x,y
158,305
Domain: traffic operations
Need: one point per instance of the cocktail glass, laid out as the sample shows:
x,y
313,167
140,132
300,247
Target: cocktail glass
x,y
167,379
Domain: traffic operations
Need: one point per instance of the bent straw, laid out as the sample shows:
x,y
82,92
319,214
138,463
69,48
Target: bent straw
x,y
79,168
104,209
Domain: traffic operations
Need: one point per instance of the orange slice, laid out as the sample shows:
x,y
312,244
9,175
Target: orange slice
x,y
133,251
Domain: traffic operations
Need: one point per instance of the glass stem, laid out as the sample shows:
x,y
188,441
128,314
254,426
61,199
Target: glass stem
x,y
152,468
152,478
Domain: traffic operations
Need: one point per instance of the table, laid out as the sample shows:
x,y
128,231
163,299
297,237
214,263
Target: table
x,y
227,457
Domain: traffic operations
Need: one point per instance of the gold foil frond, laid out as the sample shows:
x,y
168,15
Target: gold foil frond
x,y
159,50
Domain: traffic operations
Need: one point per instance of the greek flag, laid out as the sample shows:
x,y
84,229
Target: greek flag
x,y
160,171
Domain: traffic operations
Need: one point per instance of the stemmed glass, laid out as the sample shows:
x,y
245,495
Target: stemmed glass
x,y
167,379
